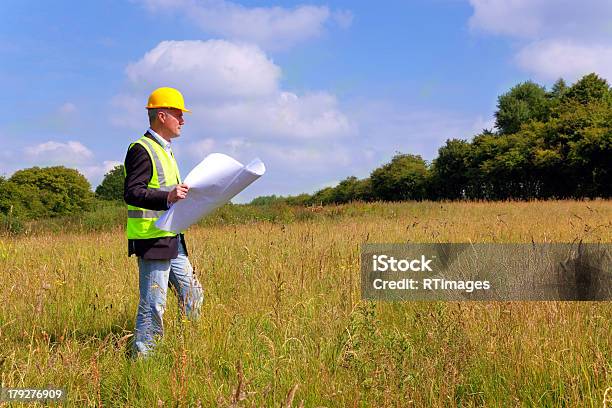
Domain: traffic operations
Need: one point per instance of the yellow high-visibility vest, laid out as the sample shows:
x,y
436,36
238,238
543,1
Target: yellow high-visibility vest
x,y
141,221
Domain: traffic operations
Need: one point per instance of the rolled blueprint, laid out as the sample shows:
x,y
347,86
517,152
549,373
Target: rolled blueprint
x,y
212,183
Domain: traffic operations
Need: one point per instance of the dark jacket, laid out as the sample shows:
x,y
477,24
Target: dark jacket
x,y
139,171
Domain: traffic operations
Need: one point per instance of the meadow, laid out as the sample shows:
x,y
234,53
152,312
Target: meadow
x,y
283,323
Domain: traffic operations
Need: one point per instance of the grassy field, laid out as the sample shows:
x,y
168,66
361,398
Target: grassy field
x,y
283,323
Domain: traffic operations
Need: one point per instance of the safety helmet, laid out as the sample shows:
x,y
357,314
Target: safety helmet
x,y
167,98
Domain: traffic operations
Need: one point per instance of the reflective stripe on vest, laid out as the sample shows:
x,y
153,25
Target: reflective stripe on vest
x,y
145,214
165,175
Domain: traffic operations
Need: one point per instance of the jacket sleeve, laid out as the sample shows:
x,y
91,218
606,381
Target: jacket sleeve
x,y
139,170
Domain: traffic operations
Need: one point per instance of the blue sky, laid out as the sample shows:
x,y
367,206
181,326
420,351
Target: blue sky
x,y
319,90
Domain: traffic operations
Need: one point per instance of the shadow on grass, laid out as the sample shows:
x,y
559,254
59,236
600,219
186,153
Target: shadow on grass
x,y
117,334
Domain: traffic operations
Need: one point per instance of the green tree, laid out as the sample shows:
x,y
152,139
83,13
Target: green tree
x,y
266,200
404,178
509,171
590,88
591,160
363,190
352,189
559,89
60,190
577,140
20,201
301,199
523,103
323,196
449,173
550,172
111,187
484,149
556,94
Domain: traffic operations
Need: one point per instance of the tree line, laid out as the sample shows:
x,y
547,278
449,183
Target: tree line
x,y
554,144
546,144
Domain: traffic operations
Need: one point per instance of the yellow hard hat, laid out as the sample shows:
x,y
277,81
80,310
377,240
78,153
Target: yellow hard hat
x,y
167,98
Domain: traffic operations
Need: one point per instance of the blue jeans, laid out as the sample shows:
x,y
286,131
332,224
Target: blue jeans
x,y
154,276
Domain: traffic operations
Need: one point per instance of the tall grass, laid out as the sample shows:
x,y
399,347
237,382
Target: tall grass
x,y
283,310
109,215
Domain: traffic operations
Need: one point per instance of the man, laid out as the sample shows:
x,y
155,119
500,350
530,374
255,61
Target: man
x,y
152,184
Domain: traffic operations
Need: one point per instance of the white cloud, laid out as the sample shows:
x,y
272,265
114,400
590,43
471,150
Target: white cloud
x,y
555,38
539,19
71,154
284,115
237,144
233,91
197,149
213,69
269,27
58,153
95,172
518,18
558,58
240,108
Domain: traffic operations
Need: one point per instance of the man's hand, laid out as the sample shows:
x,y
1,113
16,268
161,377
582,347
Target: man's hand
x,y
178,193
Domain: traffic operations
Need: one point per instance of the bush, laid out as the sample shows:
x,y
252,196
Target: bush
x,y
403,179
266,200
61,191
21,201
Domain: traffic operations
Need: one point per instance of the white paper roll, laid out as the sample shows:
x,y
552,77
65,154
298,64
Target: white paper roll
x,y
212,183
